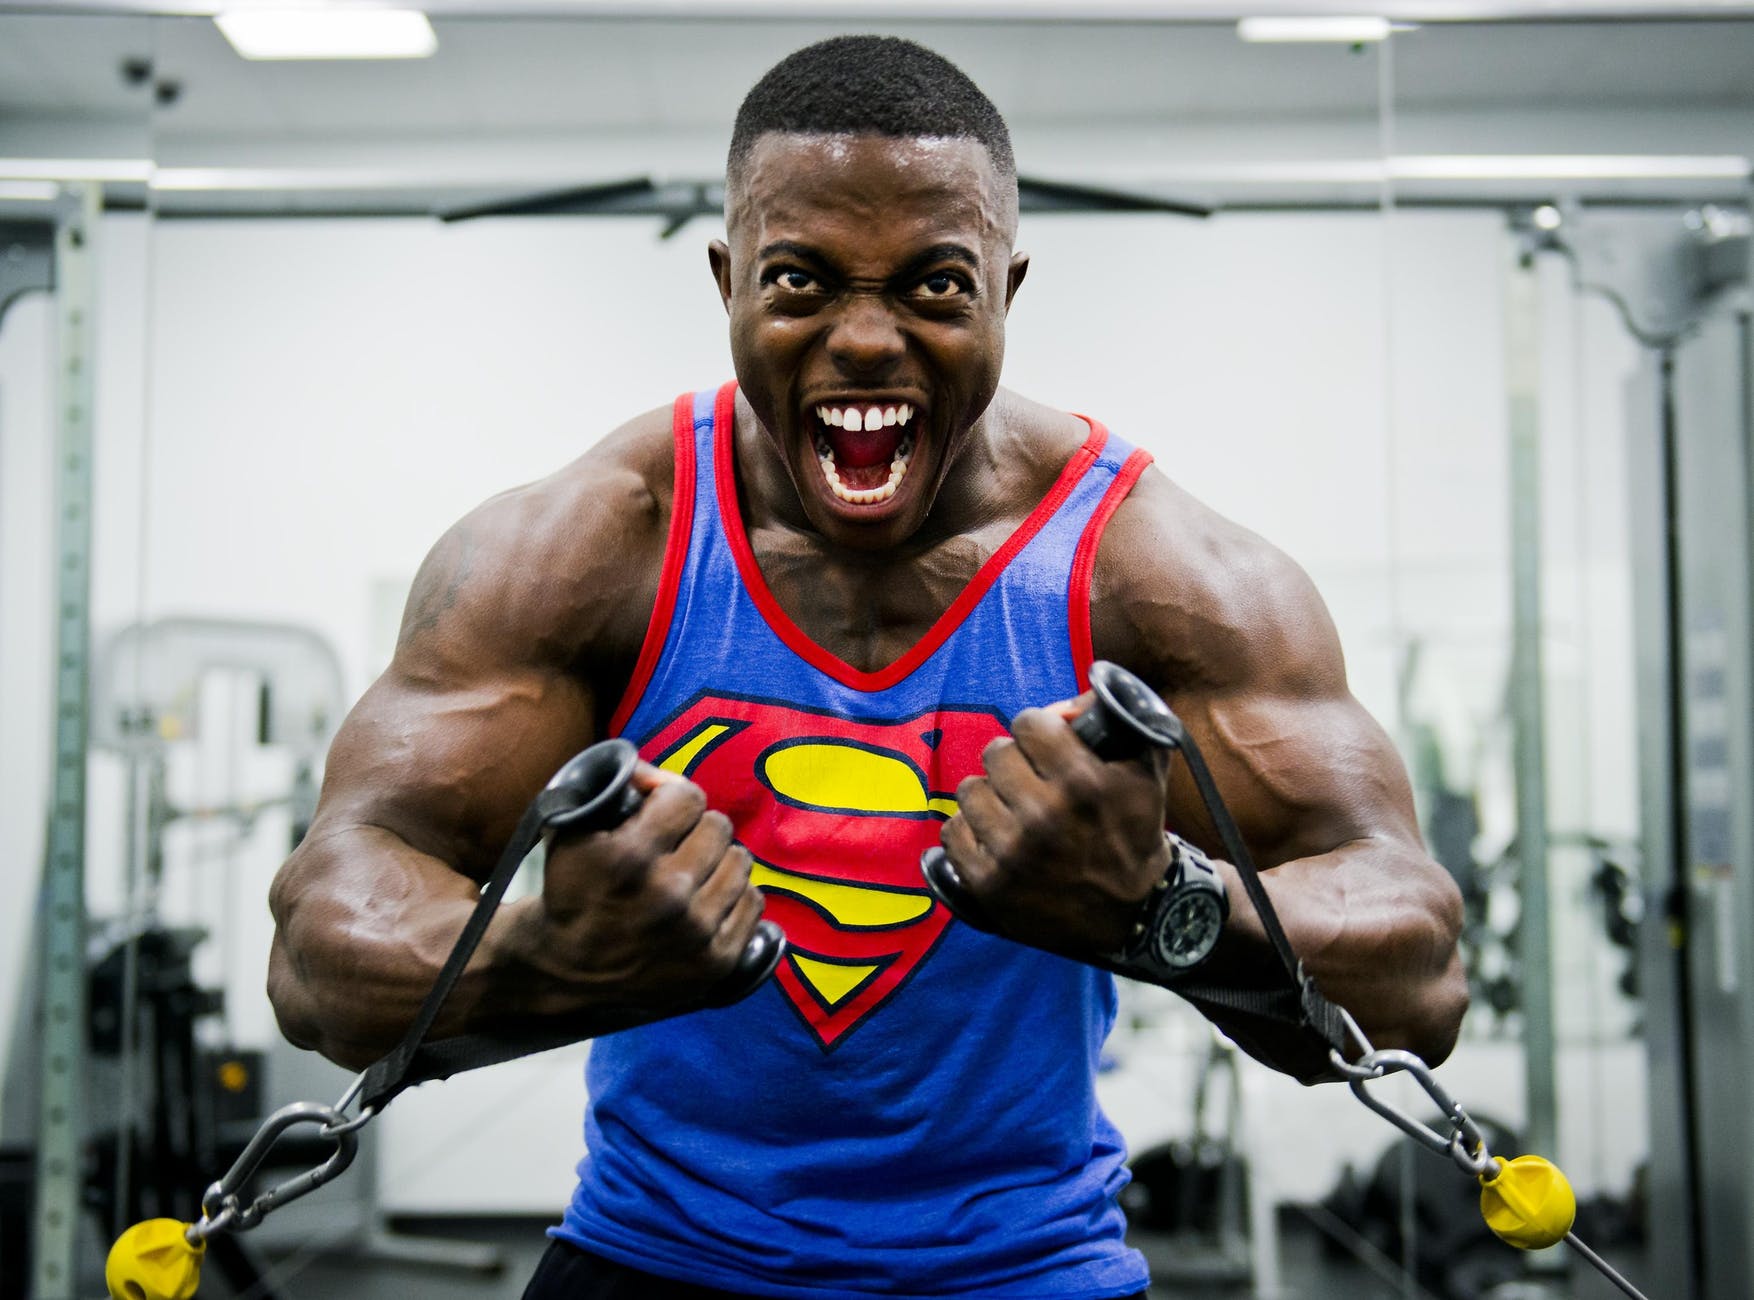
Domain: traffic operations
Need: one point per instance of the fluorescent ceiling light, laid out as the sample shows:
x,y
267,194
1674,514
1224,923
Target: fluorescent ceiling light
x,y
1451,167
1567,167
204,180
1313,28
328,33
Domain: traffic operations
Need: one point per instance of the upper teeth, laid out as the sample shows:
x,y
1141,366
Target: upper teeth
x,y
868,418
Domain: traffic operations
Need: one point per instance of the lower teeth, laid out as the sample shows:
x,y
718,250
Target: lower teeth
x,y
865,496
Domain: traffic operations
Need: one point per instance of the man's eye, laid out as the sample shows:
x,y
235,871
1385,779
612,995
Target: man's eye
x,y
942,285
793,279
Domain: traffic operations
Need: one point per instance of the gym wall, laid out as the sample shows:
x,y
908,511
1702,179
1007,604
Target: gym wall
x,y
315,400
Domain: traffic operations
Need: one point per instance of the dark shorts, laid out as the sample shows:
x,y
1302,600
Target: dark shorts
x,y
568,1273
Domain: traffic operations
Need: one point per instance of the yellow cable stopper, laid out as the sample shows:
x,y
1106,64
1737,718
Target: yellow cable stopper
x,y
1528,1203
154,1261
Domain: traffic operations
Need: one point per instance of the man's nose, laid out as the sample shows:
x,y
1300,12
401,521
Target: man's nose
x,y
866,338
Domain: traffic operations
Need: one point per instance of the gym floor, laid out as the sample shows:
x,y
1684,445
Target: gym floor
x,y
1312,1268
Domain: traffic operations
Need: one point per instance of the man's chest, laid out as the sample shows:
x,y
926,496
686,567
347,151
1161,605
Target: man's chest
x,y
870,611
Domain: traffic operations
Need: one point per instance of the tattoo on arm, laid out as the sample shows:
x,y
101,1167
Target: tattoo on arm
x,y
437,584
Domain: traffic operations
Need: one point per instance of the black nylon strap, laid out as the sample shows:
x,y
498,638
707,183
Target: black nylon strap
x,y
592,792
413,1058
1299,1002
1239,856
440,1059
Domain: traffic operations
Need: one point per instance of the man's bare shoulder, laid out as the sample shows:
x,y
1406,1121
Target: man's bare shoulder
x,y
559,572
1201,602
1040,439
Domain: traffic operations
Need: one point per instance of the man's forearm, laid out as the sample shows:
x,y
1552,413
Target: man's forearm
x,y
364,925
1375,924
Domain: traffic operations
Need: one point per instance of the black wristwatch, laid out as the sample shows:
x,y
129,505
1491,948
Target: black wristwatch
x,y
1179,922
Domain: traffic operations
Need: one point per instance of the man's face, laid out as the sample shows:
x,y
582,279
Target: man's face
x,y
867,280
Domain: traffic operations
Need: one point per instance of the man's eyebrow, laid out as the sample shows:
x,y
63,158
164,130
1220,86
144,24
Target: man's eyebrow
x,y
790,248
945,253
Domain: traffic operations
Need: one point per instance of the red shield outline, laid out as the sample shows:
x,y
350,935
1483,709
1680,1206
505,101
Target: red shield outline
x,y
828,808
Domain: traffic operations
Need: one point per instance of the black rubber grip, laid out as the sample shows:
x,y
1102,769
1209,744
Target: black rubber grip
x,y
1127,718
594,791
760,957
947,887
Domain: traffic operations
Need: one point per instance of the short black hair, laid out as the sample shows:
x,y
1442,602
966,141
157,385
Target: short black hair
x,y
875,85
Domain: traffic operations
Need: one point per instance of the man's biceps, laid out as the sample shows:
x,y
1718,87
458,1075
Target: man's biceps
x,y
400,722
1372,755
1320,730
450,769
421,804
1315,776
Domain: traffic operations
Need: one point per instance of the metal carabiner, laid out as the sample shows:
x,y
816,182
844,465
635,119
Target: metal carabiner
x,y
359,1121
1465,1144
222,1209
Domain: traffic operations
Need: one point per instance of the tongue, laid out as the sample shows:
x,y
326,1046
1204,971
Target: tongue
x,y
860,477
857,448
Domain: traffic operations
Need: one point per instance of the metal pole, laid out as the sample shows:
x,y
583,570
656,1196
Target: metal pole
x,y
1528,703
1676,1229
62,899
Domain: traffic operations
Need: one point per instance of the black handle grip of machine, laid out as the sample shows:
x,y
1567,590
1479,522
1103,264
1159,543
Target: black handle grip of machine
x,y
594,791
1127,719
947,887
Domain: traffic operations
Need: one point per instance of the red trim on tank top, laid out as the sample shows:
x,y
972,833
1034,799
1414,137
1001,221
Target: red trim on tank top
x,y
675,556
724,471
1084,562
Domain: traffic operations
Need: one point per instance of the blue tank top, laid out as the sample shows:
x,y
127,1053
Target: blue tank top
x,y
908,1108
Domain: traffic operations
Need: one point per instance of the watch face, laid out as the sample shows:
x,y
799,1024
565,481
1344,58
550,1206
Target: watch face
x,y
1188,928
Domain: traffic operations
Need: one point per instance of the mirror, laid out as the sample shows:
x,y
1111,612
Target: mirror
x,y
1349,294
1594,180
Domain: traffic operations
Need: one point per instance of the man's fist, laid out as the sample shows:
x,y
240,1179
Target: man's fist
x,y
653,913
1058,847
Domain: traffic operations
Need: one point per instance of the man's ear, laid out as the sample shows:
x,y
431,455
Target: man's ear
x,y
1014,276
718,255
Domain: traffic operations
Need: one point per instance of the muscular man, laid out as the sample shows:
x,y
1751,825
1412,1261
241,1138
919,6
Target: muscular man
x,y
841,605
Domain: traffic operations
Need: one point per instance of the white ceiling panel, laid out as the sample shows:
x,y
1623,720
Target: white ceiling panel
x,y
56,63
1623,64
567,72
552,75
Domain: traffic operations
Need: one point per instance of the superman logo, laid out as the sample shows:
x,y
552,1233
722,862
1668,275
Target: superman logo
x,y
835,813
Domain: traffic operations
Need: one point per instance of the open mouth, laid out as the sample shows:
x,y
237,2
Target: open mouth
x,y
864,449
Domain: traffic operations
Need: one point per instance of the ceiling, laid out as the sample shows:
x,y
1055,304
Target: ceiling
x,y
570,74
588,80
